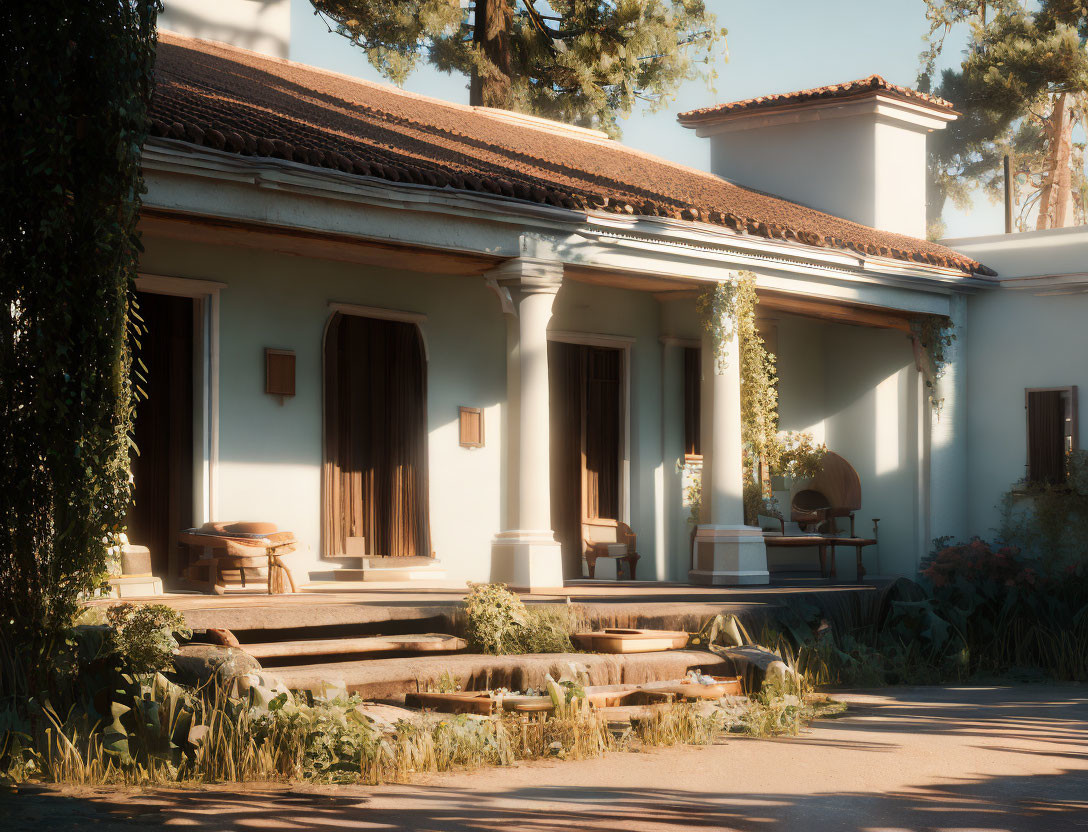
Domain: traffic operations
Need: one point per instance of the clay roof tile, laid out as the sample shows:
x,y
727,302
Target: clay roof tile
x,y
212,94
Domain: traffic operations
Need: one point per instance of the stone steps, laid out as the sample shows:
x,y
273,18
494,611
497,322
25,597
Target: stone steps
x,y
392,678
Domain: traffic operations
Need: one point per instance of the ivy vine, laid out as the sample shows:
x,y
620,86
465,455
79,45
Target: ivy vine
x,y
935,335
75,82
719,310
730,308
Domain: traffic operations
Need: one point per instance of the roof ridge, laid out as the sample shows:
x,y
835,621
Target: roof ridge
x,y
871,84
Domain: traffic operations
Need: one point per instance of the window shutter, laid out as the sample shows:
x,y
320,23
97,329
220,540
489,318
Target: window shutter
x,y
472,427
1051,417
279,375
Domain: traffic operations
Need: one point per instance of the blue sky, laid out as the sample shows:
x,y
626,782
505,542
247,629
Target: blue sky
x,y
774,46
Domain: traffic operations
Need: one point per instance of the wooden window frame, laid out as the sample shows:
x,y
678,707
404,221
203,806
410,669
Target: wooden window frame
x,y
1071,390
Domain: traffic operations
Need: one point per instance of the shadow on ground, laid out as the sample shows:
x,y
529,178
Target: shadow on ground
x,y
1046,728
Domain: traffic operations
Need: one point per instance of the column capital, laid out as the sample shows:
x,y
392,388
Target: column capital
x,y
528,275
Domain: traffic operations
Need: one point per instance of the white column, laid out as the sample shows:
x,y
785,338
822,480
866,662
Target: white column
x,y
526,554
726,551
948,490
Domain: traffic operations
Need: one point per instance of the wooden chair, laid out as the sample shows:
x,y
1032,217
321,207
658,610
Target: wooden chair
x,y
220,546
834,492
609,539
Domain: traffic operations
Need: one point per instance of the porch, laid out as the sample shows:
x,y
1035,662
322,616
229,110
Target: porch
x,y
488,333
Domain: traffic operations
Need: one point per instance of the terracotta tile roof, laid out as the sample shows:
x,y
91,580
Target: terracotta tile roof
x,y
242,102
851,89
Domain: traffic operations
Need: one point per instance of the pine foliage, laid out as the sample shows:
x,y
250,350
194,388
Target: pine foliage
x,y
586,62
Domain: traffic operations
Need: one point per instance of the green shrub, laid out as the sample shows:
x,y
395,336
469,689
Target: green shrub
x,y
144,634
498,622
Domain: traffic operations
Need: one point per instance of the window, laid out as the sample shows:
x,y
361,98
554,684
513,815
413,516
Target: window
x,y
1052,432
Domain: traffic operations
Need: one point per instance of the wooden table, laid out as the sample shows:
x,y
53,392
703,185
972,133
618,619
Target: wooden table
x,y
858,543
800,541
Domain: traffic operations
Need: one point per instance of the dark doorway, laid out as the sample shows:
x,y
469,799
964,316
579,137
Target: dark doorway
x,y
586,441
374,487
162,471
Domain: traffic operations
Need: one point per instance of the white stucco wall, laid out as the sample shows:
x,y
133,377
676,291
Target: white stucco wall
x,y
865,167
1020,336
270,453
857,389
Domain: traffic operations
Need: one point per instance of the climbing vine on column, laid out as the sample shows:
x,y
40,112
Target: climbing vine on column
x,y
730,307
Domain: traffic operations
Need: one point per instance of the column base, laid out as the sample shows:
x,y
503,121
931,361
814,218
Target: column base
x,y
527,559
729,556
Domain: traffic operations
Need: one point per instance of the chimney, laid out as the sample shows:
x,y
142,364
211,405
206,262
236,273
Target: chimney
x,y
855,150
258,25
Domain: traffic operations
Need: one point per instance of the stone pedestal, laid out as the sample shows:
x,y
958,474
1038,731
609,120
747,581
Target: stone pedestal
x,y
527,560
729,556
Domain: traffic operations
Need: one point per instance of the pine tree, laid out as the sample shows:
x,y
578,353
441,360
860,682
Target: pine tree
x,y
587,62
1022,88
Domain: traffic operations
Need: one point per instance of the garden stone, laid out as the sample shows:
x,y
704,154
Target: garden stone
x,y
197,664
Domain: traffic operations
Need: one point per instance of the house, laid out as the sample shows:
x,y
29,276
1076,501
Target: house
x,y
430,339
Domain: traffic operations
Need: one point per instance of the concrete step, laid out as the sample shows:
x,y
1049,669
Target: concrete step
x,y
412,643
392,571
394,678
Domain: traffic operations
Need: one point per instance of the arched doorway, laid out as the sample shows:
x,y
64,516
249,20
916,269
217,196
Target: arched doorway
x,y
374,488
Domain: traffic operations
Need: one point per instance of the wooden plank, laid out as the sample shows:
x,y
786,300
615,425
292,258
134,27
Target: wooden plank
x,y
837,311
157,222
423,643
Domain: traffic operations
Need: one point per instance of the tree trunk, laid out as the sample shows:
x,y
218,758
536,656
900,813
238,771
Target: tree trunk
x,y
490,84
1057,192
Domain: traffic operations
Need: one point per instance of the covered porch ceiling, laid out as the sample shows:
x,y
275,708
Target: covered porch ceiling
x,y
770,300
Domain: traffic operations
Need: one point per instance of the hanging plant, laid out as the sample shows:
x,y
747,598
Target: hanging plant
x,y
933,335
718,308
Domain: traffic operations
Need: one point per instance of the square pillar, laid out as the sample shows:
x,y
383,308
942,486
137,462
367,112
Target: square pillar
x,y
726,551
526,554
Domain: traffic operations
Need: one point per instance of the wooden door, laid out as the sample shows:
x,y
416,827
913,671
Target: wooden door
x,y
586,442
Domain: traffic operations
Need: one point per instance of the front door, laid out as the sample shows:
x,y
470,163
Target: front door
x,y
587,441
374,494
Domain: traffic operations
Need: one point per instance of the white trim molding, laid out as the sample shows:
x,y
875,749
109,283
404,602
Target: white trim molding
x,y
1075,283
381,314
185,287
591,339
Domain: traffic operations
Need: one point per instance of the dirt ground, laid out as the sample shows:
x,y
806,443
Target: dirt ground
x,y
902,759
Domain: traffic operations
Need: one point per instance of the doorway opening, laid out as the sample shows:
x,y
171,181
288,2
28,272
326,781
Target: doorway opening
x,y
162,467
587,417
374,484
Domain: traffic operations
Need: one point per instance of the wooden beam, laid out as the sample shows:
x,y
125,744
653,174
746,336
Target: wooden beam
x,y
837,311
316,244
